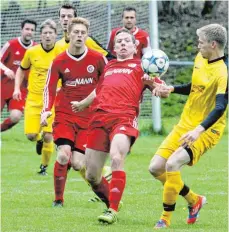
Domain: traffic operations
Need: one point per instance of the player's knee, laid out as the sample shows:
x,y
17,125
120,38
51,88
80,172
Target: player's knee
x,y
48,137
15,116
63,155
31,137
155,169
76,165
171,166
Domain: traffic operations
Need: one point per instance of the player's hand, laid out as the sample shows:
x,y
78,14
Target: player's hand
x,y
191,136
17,95
78,106
148,80
44,117
162,91
10,74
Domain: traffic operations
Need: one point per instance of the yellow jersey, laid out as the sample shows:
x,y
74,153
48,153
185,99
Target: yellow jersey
x,y
90,43
208,80
38,61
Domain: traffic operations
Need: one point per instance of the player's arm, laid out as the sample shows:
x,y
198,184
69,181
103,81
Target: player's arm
x,y
19,77
5,55
146,45
86,102
221,101
49,93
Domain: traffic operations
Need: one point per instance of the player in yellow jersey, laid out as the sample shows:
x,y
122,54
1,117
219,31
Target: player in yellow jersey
x,y
66,13
38,59
201,125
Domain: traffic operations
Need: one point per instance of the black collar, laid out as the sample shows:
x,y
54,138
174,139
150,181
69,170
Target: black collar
x,y
217,59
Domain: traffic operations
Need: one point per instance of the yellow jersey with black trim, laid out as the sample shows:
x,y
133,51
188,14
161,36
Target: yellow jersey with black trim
x,y
38,61
90,43
208,80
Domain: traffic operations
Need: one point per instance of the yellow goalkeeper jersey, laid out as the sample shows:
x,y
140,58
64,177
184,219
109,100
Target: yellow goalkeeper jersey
x,y
90,43
38,61
208,80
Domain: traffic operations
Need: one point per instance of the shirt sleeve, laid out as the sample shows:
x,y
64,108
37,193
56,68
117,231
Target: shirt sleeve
x,y
26,62
92,44
50,87
5,52
184,89
221,103
146,45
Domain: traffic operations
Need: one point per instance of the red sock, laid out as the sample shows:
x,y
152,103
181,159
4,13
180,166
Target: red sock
x,y
7,124
117,186
102,191
60,176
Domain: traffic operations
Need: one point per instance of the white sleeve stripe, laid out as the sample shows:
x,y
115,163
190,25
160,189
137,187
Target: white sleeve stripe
x,y
46,89
4,48
105,59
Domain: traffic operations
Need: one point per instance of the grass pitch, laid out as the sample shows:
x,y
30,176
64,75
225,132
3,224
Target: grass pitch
x,y
27,198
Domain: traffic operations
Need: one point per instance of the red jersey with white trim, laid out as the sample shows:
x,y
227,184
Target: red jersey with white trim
x,y
142,41
121,89
11,55
79,78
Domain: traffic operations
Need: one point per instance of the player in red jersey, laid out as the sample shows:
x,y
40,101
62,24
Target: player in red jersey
x,y
113,127
11,55
79,69
141,36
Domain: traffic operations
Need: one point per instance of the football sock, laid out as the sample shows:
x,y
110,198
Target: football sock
x,y
117,186
39,137
83,174
189,195
107,173
172,187
60,176
161,178
7,124
46,154
102,191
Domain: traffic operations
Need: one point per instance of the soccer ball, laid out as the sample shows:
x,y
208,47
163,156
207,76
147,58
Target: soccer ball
x,y
155,63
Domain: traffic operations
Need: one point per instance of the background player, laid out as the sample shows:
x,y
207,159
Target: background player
x,y
201,125
141,36
38,59
11,55
79,68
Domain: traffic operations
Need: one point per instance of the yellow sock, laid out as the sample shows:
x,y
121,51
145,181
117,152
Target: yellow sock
x,y
83,174
46,154
191,198
162,178
171,191
107,173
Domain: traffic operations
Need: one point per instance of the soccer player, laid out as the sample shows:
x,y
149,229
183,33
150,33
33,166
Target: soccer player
x,y
201,125
113,127
66,13
11,55
79,68
141,36
38,59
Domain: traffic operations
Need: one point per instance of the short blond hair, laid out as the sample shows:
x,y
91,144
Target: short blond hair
x,y
214,32
78,20
124,30
50,23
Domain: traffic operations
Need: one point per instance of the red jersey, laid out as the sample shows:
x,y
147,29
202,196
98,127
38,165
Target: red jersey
x,y
122,87
142,41
11,55
79,78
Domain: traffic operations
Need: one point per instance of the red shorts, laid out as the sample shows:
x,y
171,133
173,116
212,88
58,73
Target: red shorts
x,y
11,103
104,126
70,130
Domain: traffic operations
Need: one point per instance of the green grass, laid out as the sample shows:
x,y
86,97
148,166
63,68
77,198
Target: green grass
x,y
27,197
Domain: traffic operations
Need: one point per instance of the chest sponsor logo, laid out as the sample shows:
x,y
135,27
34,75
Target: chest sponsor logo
x,y
66,70
17,53
80,81
17,62
119,70
90,68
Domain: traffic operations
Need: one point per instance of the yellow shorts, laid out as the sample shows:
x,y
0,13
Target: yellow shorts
x,y
207,140
32,114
